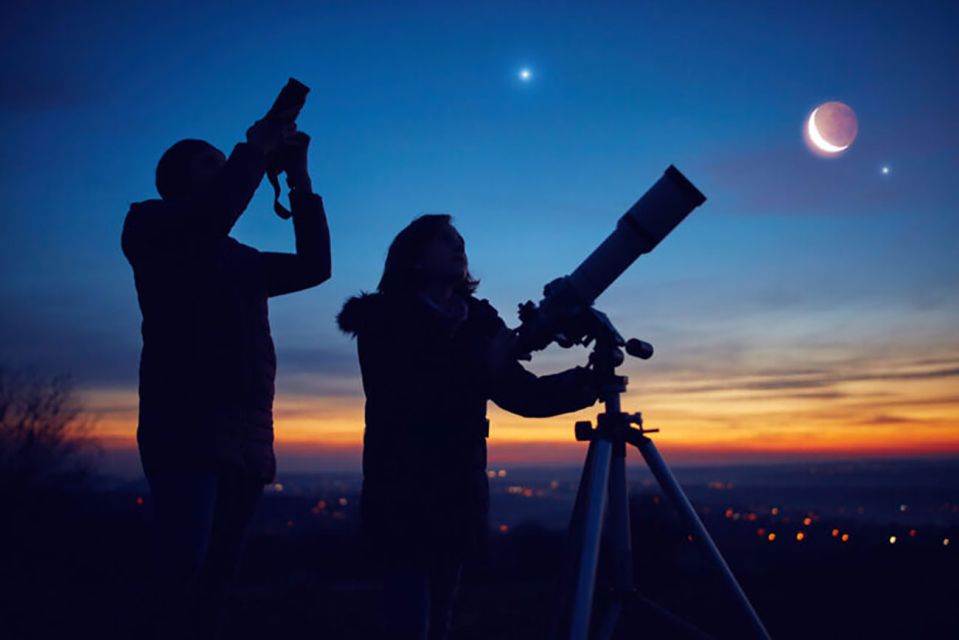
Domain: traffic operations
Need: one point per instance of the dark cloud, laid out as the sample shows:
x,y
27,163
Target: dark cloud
x,y
100,347
61,338
820,380
886,419
340,359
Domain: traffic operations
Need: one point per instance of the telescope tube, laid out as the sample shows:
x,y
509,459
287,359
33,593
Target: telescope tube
x,y
652,218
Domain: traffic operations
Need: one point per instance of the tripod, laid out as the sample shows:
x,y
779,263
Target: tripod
x,y
604,473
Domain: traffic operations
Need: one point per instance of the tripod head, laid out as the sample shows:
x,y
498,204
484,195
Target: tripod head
x,y
606,356
592,326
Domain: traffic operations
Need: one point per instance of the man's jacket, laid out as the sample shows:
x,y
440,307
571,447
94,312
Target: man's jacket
x,y
208,363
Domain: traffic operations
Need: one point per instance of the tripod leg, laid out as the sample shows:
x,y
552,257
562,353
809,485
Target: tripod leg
x,y
619,538
594,492
566,581
582,496
675,494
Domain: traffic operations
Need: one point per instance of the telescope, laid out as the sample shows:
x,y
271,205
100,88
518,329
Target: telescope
x,y
562,316
601,514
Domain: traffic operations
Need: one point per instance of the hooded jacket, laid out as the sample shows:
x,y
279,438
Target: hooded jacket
x,y
208,363
427,383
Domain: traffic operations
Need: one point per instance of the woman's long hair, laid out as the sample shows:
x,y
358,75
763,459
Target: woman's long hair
x,y
401,274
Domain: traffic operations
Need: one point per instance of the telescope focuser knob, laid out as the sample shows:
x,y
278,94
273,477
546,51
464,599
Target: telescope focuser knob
x,y
639,349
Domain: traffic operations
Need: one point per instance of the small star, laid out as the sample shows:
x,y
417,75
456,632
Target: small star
x,y
885,170
525,74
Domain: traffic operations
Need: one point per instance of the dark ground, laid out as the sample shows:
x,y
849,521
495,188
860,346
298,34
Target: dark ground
x,y
73,565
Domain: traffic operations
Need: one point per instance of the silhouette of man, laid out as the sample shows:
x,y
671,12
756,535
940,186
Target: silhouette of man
x,y
207,367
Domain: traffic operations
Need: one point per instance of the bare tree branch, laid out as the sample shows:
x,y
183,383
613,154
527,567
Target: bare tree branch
x,y
43,433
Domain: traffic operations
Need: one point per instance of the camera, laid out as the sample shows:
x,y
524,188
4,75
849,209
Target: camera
x,y
285,110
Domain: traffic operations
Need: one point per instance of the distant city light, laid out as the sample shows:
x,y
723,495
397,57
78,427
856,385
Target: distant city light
x,y
807,521
912,533
892,539
800,536
835,533
504,528
501,473
945,542
845,537
903,508
278,487
139,501
761,532
771,537
343,502
774,511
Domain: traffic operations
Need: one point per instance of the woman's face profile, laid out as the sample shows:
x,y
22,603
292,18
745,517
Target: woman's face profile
x,y
444,258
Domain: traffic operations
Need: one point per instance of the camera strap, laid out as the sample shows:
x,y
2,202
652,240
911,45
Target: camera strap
x,y
273,177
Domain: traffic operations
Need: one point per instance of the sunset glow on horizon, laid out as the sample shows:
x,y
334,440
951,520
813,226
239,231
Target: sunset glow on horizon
x,y
903,411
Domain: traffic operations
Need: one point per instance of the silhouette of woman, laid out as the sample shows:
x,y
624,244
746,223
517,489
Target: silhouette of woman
x,y
431,355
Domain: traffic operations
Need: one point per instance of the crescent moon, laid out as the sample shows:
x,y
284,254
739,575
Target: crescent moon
x,y
818,139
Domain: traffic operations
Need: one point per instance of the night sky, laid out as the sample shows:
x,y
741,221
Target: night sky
x,y
809,309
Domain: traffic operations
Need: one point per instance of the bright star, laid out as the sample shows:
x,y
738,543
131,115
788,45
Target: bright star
x,y
525,74
885,171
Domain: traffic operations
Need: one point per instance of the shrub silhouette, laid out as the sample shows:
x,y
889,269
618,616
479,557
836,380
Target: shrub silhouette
x,y
44,433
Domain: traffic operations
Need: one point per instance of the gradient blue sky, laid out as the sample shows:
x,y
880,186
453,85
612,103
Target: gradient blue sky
x,y
799,273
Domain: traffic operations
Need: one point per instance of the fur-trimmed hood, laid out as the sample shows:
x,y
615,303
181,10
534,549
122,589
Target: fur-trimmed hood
x,y
364,310
358,310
